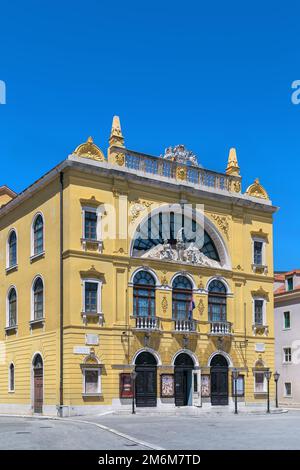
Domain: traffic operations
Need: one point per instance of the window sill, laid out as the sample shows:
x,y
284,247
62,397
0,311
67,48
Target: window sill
x,y
36,257
11,269
11,329
37,323
87,395
11,391
259,268
90,244
86,316
285,363
260,329
260,394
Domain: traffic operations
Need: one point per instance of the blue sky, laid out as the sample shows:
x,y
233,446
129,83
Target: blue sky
x,y
211,75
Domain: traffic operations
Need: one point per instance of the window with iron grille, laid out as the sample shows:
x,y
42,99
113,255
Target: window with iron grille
x,y
259,382
91,297
258,312
182,298
217,301
143,295
38,299
92,381
38,235
12,308
90,225
12,249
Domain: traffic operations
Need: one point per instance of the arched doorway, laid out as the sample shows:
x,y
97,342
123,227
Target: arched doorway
x,y
183,372
219,380
38,388
146,379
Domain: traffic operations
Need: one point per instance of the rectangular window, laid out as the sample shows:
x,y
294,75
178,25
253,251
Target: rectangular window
x,y
91,297
290,284
287,389
287,355
259,386
258,312
91,381
287,320
90,225
258,251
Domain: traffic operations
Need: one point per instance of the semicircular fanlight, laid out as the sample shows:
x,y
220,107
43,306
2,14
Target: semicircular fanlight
x,y
163,227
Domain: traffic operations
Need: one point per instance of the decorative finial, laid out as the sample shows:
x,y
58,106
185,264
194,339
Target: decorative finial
x,y
116,136
232,165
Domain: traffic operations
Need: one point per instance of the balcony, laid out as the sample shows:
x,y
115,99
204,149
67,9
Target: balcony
x,y
220,328
185,326
147,323
176,170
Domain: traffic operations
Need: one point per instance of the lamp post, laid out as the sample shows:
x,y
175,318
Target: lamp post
x,y
235,375
133,377
268,375
276,378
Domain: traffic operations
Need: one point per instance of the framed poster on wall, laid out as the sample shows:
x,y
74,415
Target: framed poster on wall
x,y
205,386
167,385
126,386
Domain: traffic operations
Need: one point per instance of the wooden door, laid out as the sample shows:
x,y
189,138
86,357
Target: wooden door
x,y
146,386
38,390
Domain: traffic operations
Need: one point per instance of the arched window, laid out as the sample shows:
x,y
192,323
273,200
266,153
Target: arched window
x,y
217,301
38,235
38,299
12,307
11,378
182,298
12,249
143,294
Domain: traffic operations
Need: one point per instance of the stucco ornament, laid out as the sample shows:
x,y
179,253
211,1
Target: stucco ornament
x,y
182,252
89,150
180,154
137,207
222,222
257,190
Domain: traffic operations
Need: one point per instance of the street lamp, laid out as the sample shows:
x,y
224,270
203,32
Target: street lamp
x,y
133,377
268,375
276,378
235,375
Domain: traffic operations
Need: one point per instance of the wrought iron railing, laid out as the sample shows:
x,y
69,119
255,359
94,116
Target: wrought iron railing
x,y
147,323
220,328
185,325
175,170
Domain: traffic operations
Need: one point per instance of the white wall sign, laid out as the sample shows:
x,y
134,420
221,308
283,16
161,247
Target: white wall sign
x,y
91,339
81,350
260,347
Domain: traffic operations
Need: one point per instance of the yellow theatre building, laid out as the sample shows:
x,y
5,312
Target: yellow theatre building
x,y
128,274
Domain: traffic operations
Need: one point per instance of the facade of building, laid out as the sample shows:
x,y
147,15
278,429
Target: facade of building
x,y
130,263
287,328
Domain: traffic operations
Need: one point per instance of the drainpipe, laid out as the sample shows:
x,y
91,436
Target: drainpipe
x,y
61,297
